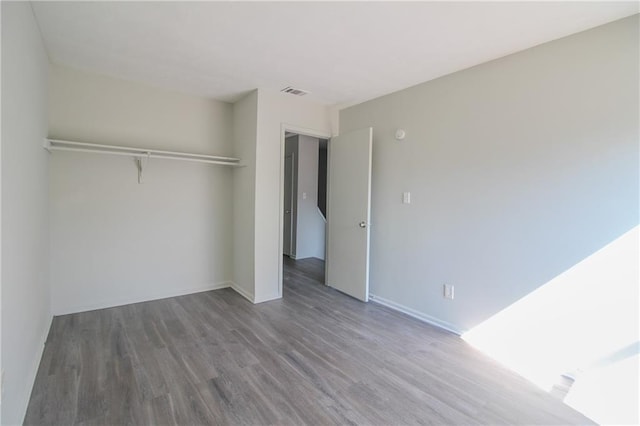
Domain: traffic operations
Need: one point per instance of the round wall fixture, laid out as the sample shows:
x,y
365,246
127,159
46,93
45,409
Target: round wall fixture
x,y
400,134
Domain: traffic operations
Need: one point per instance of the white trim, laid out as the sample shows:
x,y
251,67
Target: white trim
x,y
284,128
269,299
121,302
31,380
305,131
242,292
416,314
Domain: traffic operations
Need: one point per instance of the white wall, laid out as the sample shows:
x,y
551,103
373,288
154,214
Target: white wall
x,y
245,121
518,168
275,110
95,108
114,241
310,225
26,314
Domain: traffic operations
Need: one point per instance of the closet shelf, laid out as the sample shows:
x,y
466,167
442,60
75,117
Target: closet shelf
x,y
138,153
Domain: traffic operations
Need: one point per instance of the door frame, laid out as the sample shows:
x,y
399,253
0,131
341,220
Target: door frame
x,y
284,128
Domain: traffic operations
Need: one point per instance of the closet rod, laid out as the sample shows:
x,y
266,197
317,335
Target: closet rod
x,y
54,145
144,155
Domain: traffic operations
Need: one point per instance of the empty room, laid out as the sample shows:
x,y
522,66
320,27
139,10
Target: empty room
x,y
287,213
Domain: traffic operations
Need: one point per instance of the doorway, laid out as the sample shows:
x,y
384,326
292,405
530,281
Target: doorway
x,y
304,206
348,208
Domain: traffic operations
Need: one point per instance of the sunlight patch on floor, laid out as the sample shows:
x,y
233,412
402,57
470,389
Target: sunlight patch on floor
x,y
572,325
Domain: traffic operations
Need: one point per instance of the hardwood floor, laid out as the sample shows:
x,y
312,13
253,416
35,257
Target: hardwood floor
x,y
315,357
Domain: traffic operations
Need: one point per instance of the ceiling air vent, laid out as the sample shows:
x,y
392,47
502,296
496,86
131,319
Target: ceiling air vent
x,y
294,91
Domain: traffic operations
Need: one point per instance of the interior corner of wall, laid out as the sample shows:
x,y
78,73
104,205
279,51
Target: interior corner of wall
x,y
334,119
242,292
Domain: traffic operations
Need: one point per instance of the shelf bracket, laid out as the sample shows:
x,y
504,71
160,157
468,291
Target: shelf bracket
x,y
141,163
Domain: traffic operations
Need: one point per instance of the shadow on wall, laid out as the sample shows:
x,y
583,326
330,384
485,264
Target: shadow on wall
x,y
583,324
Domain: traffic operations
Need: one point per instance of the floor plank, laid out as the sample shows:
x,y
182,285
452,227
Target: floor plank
x,y
314,357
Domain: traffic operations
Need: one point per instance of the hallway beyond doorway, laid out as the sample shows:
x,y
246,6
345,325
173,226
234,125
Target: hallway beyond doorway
x,y
304,271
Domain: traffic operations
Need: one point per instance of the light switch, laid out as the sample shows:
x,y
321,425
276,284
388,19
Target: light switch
x,y
406,198
304,195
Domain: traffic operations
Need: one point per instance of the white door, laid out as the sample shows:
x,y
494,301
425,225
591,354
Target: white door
x,y
288,205
348,213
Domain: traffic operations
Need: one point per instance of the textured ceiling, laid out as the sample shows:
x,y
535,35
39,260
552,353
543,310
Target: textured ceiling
x,y
342,52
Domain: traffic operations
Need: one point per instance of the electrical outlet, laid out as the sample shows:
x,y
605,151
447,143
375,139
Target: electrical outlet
x,y
448,291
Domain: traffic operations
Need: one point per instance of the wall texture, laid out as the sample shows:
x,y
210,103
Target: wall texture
x,y
26,313
518,168
115,241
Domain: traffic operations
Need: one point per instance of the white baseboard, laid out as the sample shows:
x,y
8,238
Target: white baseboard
x,y
416,314
242,292
268,299
128,301
34,369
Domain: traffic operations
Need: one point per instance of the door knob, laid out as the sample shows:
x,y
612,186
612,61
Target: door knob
x,y
363,224
287,211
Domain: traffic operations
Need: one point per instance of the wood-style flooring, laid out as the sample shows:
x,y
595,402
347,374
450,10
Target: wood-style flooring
x,y
314,357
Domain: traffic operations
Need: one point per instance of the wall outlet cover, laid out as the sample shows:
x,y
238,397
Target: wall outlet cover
x,y
406,198
448,291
